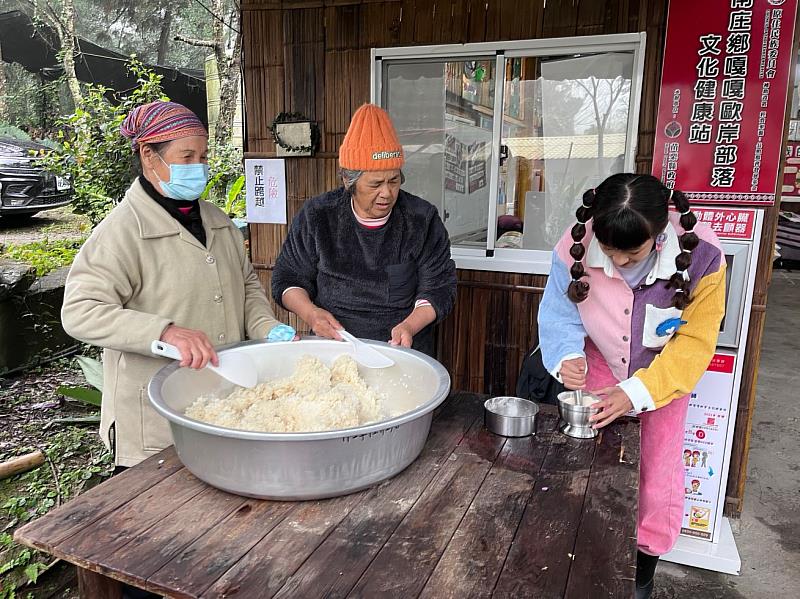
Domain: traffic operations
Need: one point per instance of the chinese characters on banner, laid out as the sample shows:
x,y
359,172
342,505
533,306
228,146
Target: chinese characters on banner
x,y
707,421
726,68
266,191
728,223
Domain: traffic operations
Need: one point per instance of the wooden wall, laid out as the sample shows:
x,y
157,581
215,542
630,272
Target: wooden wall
x,y
312,56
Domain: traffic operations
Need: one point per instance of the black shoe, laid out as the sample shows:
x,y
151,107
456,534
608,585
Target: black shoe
x,y
645,591
645,574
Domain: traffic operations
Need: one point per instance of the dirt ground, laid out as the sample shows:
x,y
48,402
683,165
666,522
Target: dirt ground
x,y
60,223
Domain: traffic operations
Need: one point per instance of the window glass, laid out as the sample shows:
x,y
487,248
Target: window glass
x,y
565,122
566,117
442,111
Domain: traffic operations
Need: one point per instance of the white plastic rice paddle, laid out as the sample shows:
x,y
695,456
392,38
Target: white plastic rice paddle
x,y
238,368
364,354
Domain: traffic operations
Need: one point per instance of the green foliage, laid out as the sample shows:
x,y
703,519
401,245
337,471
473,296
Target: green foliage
x,y
15,132
135,26
100,163
49,143
73,463
93,372
96,157
45,256
235,204
84,394
31,102
226,179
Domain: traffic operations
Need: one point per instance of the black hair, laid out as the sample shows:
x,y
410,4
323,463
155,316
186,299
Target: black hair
x,y
627,210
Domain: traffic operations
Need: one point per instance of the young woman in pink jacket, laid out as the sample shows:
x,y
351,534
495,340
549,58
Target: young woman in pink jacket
x,y
631,312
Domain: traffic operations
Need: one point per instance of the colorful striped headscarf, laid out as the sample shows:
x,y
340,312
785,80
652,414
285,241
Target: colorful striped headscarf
x,y
160,121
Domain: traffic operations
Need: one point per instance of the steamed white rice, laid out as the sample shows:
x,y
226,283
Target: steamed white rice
x,y
314,398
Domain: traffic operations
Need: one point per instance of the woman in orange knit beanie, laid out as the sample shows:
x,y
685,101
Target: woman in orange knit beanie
x,y
368,257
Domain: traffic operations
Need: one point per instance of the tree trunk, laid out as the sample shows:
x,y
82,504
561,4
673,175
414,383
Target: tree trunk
x,y
3,102
163,40
228,95
67,34
228,70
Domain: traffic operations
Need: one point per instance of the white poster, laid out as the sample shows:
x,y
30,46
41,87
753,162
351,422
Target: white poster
x,y
707,425
266,190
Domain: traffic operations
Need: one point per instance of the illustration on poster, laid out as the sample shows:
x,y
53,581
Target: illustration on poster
x,y
697,458
699,518
695,488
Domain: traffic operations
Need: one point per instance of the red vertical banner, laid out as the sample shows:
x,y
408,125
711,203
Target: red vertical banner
x,y
723,95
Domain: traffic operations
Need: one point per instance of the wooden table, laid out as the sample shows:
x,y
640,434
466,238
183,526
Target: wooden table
x,y
475,515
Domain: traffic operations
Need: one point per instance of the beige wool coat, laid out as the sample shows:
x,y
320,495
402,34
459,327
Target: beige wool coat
x,y
139,272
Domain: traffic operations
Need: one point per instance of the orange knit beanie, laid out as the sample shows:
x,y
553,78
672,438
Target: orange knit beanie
x,y
371,142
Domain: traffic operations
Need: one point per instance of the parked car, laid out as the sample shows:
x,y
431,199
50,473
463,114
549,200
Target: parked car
x,y
25,187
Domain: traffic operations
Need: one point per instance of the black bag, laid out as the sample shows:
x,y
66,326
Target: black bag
x,y
535,383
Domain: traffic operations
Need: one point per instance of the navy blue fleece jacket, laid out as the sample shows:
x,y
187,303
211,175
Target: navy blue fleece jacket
x,y
369,279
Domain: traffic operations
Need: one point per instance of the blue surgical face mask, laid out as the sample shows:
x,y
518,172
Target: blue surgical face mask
x,y
186,181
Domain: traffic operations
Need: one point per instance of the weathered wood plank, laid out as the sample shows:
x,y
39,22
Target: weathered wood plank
x,y
153,547
342,27
451,515
121,526
337,564
474,557
414,548
50,530
267,566
541,553
201,564
403,564
606,541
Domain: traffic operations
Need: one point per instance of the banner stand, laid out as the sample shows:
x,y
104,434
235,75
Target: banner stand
x,y
722,556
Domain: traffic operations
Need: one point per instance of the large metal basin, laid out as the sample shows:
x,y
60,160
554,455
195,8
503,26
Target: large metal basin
x,y
291,466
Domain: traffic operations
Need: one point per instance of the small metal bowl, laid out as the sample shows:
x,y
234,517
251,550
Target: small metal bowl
x,y
574,417
510,416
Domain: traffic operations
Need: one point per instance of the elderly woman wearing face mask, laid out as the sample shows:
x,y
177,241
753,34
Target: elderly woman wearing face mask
x,y
368,257
162,265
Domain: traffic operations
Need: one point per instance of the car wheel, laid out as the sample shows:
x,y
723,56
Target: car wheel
x,y
20,219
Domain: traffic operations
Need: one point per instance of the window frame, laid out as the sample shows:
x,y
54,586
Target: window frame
x,y
493,259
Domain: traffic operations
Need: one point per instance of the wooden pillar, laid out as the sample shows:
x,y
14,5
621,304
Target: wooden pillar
x,y
92,585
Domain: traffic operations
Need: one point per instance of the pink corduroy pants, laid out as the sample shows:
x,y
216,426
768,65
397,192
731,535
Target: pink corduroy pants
x,y
661,471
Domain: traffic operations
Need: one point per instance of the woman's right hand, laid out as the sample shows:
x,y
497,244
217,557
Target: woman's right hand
x,y
195,347
324,324
573,373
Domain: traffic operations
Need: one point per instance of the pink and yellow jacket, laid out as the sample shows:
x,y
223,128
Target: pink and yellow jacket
x,y
621,322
